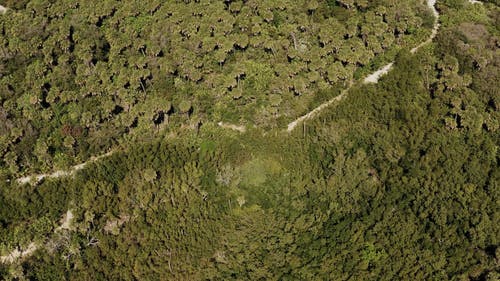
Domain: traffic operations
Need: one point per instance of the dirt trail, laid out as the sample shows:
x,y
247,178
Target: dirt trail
x,y
240,129
66,221
432,6
311,114
375,76
371,78
33,246
17,254
58,174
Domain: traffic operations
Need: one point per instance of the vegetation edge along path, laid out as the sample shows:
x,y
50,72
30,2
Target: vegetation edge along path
x,y
242,129
62,173
17,253
373,77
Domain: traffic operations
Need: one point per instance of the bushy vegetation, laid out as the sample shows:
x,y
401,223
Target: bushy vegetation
x,y
78,78
399,181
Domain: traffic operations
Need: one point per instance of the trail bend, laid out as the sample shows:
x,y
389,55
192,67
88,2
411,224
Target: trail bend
x,y
371,78
18,253
375,76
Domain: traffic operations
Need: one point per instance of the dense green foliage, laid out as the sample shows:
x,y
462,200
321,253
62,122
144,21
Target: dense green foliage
x,y
76,78
399,181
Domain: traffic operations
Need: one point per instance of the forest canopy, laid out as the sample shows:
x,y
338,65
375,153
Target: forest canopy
x,y
186,105
77,78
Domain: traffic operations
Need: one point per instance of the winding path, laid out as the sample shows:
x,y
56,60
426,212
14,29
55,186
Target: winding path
x,y
375,76
372,78
67,219
17,254
61,173
315,111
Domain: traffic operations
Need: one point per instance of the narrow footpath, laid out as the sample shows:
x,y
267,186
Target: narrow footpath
x,y
373,77
18,254
57,174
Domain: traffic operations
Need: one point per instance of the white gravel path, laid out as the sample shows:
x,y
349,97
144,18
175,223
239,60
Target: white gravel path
x,y
66,221
59,174
375,76
309,115
240,129
17,254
